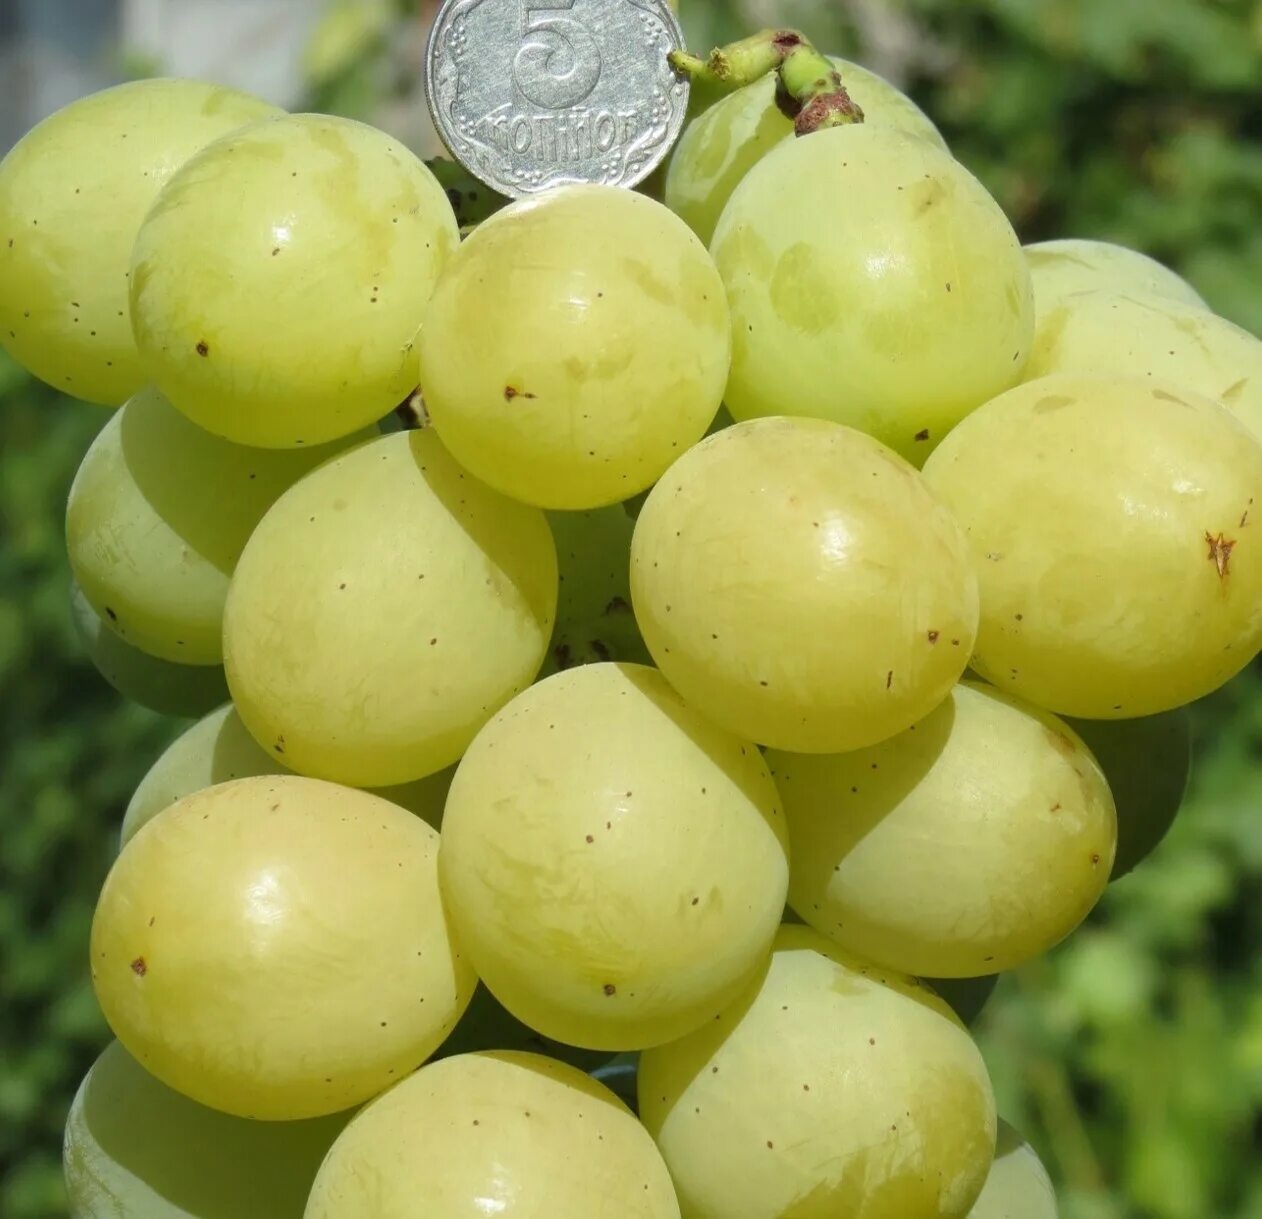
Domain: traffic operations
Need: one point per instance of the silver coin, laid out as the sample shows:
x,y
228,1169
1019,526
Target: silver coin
x,y
531,94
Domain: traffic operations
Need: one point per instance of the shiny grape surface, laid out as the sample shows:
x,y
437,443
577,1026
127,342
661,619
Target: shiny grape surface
x,y
495,1133
290,317
576,345
873,282
769,574
722,144
276,947
967,845
385,608
136,1148
1081,496
613,862
73,193
831,1087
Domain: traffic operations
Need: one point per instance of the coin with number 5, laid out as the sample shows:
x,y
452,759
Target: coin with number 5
x,y
531,94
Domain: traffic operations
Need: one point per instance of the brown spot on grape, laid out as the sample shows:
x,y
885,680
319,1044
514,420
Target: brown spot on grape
x,y
511,392
1220,549
203,348
139,968
617,606
889,679
933,636
610,989
113,617
923,434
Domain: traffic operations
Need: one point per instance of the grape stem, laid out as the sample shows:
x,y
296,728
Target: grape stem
x,y
809,89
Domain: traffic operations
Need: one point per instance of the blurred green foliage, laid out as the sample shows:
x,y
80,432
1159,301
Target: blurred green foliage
x,y
1132,1055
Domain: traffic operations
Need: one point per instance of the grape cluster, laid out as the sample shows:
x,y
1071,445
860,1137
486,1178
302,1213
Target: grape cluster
x,y
588,743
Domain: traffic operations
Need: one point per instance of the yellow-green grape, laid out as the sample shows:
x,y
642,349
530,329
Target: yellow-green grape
x,y
488,1025
385,608
160,685
720,146
279,280
967,997
1147,763
219,748
1163,341
1111,523
1059,269
968,844
594,618
874,282
73,192
276,947
832,1087
136,1148
770,571
614,863
159,513
576,345
509,1134
1018,1186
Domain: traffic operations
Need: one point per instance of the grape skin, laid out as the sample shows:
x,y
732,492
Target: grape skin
x,y
219,748
1018,1186
158,515
1060,269
874,282
490,1133
768,575
614,864
1111,523
831,1087
594,617
289,317
160,685
967,845
1147,763
384,609
720,146
576,345
276,947
137,1148
1166,342
73,193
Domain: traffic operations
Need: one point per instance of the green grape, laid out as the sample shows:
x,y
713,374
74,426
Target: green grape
x,y
576,345
720,146
160,685
1110,522
874,282
488,1025
830,1088
135,1148
506,1134
279,280
1147,762
218,748
967,997
276,947
1059,269
1018,1186
770,572
384,609
73,192
594,618
159,513
613,863
1124,334
967,845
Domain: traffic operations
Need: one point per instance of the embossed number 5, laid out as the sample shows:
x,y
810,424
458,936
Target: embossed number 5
x,y
558,63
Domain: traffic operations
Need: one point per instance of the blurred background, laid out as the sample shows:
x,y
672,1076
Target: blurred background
x,y
1132,1056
